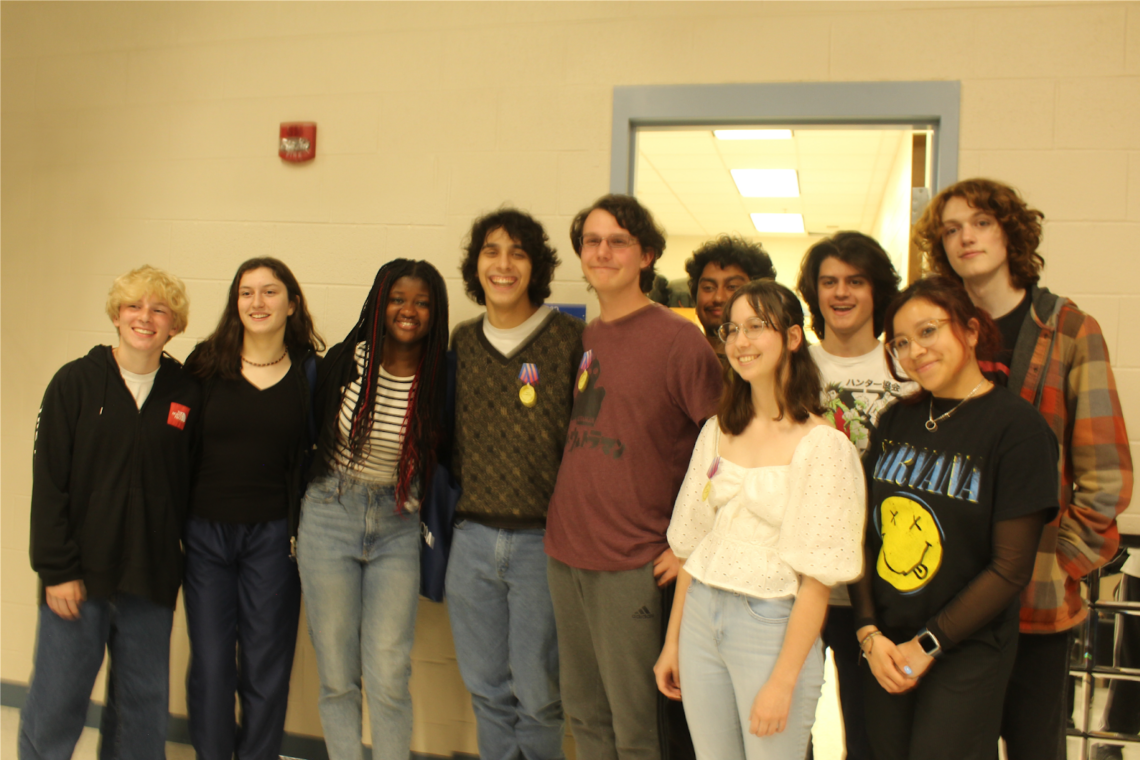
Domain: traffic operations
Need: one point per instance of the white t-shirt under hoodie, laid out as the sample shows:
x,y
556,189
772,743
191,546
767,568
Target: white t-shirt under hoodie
x,y
138,385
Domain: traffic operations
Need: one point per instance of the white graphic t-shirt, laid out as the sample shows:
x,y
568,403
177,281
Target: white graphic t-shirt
x,y
856,390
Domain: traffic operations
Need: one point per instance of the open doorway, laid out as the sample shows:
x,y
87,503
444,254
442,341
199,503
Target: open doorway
x,y
929,110
785,186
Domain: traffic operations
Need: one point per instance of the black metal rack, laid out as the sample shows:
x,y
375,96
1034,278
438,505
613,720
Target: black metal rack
x,y
1096,667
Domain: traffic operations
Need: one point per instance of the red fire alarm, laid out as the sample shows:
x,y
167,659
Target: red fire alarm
x,y
298,141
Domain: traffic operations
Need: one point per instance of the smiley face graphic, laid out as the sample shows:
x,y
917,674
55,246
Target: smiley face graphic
x,y
912,544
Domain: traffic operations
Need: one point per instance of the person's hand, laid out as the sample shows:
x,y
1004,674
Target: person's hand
x,y
770,709
668,671
916,657
66,599
666,567
890,666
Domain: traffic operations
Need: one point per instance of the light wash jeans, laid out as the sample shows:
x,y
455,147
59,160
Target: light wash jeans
x,y
728,648
136,633
502,621
360,573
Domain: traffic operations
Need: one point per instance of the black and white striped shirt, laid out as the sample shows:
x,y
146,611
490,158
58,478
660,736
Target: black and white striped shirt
x,y
380,456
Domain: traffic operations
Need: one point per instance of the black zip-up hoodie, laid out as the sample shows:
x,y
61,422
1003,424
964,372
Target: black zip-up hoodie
x,y
111,482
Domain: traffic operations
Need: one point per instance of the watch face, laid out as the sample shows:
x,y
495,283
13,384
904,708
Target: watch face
x,y
928,643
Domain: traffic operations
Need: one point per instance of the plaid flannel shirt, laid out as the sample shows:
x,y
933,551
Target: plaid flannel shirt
x,y
1066,375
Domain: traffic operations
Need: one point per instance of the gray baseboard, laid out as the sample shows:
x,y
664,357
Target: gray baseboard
x,y
292,746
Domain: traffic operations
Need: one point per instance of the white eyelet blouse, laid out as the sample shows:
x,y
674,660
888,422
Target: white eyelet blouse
x,y
761,528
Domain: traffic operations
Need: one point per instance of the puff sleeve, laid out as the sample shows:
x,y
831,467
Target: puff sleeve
x,y
822,532
693,516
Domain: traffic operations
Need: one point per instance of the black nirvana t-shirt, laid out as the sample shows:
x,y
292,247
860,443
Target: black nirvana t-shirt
x,y
935,496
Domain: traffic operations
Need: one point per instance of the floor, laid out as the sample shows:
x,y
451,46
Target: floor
x,y
84,750
826,733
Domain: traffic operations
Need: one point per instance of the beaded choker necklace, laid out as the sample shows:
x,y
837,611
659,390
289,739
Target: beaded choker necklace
x,y
275,361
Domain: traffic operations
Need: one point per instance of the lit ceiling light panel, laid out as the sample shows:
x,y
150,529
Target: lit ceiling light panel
x,y
753,134
767,183
793,223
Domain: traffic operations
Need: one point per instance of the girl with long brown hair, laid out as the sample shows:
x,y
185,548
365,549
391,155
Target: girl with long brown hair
x,y
241,587
769,516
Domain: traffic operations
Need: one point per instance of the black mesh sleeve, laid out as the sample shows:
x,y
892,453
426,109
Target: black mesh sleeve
x,y
1014,552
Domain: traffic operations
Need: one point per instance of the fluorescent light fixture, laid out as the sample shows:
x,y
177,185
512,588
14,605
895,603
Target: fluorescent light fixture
x,y
767,183
753,134
793,223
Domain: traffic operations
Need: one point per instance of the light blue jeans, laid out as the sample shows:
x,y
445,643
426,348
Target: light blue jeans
x,y
360,573
502,621
728,648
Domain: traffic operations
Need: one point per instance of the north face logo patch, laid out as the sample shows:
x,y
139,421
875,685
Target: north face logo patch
x,y
177,416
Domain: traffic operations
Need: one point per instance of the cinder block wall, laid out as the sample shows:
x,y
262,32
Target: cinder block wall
x,y
145,132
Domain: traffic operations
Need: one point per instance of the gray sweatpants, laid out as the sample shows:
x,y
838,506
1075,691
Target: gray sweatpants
x,y
609,636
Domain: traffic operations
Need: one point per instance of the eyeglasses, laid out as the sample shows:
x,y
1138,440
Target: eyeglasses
x,y
925,337
753,327
617,242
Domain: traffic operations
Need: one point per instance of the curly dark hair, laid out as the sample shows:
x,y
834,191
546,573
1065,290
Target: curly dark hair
x,y
799,386
950,296
726,251
529,234
634,219
1020,223
220,353
856,250
423,421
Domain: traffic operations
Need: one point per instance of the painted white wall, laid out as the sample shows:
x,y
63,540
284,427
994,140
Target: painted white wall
x,y
146,132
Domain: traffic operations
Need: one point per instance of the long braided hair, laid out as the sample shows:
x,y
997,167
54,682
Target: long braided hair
x,y
423,420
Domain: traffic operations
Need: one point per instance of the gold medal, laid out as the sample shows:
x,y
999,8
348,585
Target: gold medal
x,y
705,493
582,381
529,375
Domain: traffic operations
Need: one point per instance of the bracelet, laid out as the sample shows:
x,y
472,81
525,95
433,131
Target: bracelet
x,y
867,638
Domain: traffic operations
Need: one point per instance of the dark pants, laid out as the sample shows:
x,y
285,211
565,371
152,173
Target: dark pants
x,y
609,637
69,653
839,636
1033,723
955,711
241,590
677,744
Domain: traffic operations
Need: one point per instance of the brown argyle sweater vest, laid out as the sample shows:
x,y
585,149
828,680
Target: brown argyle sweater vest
x,y
506,454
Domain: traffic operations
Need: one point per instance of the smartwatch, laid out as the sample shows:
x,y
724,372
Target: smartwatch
x,y
929,643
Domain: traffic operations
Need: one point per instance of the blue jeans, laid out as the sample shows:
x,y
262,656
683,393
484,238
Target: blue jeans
x,y
69,654
505,641
241,591
360,572
728,648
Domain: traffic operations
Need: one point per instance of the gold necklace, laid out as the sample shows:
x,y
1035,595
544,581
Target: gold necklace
x,y
267,364
931,422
